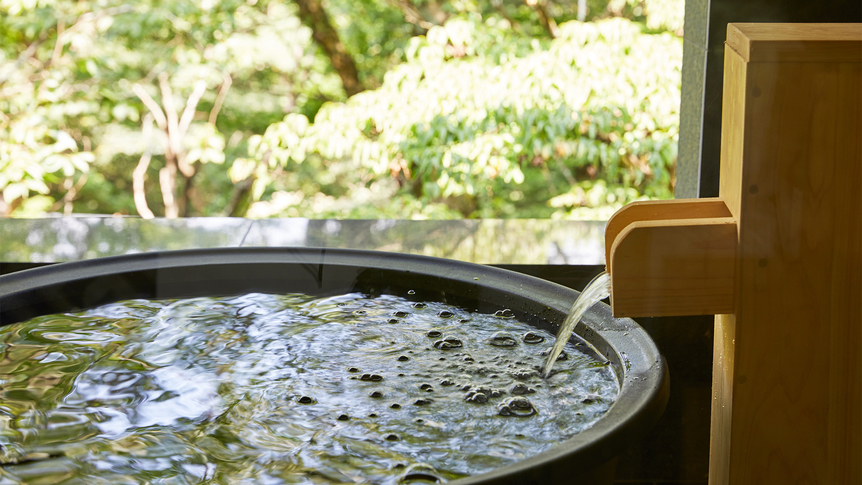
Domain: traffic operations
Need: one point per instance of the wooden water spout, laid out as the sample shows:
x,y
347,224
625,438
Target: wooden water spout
x,y
777,257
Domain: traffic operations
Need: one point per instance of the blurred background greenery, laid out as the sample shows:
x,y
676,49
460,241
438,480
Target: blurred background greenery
x,y
401,109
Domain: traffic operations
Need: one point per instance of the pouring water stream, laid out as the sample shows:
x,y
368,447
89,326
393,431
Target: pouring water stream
x,y
598,289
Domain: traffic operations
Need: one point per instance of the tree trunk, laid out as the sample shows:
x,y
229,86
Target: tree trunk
x,y
242,198
167,182
313,15
544,17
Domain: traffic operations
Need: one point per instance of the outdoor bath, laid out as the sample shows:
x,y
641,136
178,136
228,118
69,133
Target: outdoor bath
x,y
632,359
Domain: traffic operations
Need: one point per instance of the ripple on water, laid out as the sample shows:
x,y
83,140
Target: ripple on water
x,y
284,387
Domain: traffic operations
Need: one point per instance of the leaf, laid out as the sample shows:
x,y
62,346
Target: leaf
x,y
13,191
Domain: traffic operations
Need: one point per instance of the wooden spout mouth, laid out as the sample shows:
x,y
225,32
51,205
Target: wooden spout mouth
x,y
675,257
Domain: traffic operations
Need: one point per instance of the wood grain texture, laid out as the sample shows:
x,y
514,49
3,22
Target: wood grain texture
x,y
730,190
674,267
722,399
844,428
660,210
733,119
758,42
787,369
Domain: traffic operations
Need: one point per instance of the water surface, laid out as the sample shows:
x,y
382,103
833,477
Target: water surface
x,y
283,389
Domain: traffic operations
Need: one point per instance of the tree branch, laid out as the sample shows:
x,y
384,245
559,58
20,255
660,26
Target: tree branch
x,y
222,93
167,182
88,17
312,14
69,197
151,105
545,18
140,172
189,111
171,114
62,35
185,121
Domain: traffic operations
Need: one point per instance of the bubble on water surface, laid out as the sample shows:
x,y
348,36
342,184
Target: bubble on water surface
x,y
502,339
448,343
521,389
533,338
419,473
295,376
524,374
518,407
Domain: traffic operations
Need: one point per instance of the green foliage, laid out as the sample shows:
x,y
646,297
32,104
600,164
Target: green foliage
x,y
665,14
374,33
657,15
32,155
493,127
472,108
67,107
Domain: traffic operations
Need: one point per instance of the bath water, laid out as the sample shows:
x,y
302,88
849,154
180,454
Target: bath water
x,y
598,289
296,389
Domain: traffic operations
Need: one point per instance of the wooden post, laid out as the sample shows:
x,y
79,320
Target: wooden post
x,y
787,365
787,372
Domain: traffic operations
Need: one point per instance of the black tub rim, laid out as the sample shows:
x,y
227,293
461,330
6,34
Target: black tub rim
x,y
641,370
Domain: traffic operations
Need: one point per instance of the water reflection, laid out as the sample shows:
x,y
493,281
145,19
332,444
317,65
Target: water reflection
x,y
76,238
485,241
289,388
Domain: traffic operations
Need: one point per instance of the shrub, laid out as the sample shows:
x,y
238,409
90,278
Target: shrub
x,y
489,125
